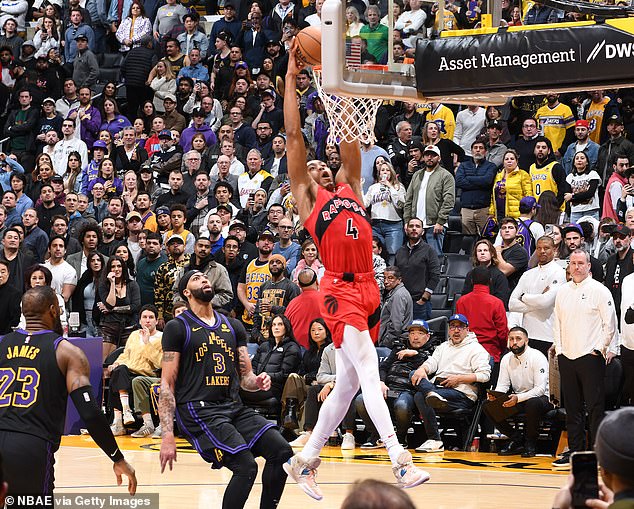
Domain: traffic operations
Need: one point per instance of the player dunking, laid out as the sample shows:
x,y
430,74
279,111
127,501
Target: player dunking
x,y
332,211
205,362
38,370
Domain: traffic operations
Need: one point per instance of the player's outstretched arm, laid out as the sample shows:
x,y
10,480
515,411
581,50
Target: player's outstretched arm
x,y
74,364
300,180
248,379
167,407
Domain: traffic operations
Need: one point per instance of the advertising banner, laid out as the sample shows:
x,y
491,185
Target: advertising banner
x,y
528,61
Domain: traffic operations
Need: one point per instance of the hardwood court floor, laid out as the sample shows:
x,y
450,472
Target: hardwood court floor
x,y
458,480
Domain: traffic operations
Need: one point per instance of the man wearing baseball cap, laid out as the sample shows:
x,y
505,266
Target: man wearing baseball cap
x,y
431,197
395,381
574,238
269,112
617,143
255,275
198,126
619,265
615,455
446,380
495,147
228,26
166,276
582,143
527,226
274,296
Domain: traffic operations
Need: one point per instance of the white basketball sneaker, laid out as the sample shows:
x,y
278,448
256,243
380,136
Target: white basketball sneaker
x,y
407,474
304,473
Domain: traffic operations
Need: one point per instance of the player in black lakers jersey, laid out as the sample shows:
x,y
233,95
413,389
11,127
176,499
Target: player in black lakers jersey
x,y
38,370
205,362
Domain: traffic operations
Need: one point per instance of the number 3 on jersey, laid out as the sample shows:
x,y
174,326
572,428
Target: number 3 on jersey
x,y
351,229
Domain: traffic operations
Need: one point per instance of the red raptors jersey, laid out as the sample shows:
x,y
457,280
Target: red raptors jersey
x,y
340,227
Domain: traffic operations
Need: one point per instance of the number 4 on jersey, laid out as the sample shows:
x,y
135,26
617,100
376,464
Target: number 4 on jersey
x,y
351,229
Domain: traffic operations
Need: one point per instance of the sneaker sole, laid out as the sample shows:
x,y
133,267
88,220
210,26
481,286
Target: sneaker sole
x,y
289,471
437,404
430,451
561,467
422,479
144,435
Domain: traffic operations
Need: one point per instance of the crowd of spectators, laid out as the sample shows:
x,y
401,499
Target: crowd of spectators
x,y
110,194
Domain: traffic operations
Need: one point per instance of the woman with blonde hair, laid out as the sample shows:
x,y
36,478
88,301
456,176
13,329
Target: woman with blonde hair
x,y
484,254
511,184
386,198
164,83
353,22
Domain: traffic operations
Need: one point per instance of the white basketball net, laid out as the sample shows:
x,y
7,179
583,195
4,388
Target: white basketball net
x,y
350,118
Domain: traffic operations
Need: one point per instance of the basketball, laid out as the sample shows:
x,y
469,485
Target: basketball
x,y
309,45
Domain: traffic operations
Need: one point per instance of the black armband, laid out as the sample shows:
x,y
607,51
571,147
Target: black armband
x,y
95,422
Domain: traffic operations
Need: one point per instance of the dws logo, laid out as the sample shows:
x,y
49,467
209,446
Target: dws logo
x,y
622,50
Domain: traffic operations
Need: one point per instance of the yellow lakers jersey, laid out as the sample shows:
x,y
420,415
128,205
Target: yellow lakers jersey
x,y
594,116
445,119
553,123
256,276
542,180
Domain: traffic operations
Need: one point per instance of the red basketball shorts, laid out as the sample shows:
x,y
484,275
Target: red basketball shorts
x,y
353,301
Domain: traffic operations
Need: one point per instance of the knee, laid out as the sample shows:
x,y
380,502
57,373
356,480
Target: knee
x,y
243,465
401,407
283,453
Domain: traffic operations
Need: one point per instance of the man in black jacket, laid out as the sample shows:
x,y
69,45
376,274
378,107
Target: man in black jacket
x,y
419,267
129,155
619,265
10,298
21,128
397,388
135,69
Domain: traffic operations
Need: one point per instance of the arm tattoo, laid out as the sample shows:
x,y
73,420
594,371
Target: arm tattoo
x,y
168,356
81,375
247,377
167,407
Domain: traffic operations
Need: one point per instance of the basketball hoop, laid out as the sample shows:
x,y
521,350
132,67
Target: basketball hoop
x,y
351,118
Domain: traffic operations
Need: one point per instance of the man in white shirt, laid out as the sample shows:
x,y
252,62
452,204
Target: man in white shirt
x,y
523,372
584,327
67,145
535,293
64,275
469,123
413,20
